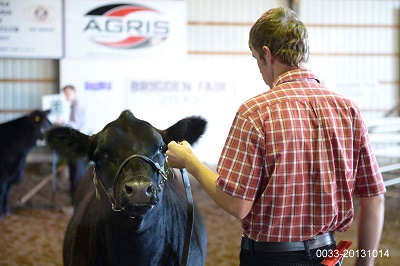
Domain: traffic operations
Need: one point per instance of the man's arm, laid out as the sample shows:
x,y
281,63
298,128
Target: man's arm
x,y
370,223
182,156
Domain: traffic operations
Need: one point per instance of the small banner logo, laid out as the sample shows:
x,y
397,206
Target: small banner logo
x,y
126,26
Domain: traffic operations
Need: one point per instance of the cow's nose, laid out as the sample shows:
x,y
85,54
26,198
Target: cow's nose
x,y
139,191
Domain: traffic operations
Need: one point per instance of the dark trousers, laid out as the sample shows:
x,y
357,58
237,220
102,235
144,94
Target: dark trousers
x,y
77,169
292,258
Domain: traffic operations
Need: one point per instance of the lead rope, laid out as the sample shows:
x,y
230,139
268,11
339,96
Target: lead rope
x,y
190,217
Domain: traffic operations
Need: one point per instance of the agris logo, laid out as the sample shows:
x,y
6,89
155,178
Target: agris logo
x,y
126,26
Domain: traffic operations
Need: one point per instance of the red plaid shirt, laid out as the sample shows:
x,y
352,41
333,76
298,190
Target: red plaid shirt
x,y
300,152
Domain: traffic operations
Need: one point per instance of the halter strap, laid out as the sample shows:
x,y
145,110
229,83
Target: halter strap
x,y
189,219
164,175
110,191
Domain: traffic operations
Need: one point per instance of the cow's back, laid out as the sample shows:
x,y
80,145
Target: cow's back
x,y
16,132
16,139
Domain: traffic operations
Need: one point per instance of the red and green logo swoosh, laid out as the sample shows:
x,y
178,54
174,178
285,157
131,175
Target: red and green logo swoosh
x,y
126,26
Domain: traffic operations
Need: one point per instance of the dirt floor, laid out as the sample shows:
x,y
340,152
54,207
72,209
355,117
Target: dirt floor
x,y
34,232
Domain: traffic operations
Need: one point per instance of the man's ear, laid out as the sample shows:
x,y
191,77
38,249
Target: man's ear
x,y
268,57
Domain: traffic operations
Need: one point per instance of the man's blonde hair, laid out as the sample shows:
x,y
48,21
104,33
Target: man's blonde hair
x,y
285,35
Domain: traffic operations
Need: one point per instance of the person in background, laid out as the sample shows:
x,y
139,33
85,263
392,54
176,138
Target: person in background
x,y
76,167
293,160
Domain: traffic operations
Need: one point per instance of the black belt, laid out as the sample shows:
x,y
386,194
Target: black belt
x,y
313,243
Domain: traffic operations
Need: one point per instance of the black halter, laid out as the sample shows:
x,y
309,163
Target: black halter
x,y
110,191
164,177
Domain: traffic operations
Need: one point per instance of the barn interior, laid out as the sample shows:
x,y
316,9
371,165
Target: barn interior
x,y
205,69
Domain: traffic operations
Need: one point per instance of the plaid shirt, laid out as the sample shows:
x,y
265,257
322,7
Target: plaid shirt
x,y
300,152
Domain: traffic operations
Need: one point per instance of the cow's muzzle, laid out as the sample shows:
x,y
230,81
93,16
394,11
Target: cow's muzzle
x,y
139,195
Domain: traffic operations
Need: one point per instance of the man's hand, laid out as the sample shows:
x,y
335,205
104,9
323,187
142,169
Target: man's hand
x,y
179,155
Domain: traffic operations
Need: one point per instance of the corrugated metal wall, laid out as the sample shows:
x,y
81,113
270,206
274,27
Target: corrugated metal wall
x,y
22,84
354,45
219,29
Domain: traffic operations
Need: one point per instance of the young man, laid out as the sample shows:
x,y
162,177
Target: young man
x,y
76,167
294,157
77,114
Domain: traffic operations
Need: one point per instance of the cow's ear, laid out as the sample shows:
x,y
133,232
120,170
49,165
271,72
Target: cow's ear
x,y
189,129
68,142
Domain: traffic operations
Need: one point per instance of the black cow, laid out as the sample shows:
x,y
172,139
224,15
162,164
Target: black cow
x,y
132,214
17,137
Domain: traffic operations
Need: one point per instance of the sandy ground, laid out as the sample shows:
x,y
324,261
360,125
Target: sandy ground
x,y
34,232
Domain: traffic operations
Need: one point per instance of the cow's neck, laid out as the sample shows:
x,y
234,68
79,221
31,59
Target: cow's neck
x,y
122,224
125,235
161,233
119,223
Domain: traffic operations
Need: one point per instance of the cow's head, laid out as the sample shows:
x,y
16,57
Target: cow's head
x,y
40,123
129,157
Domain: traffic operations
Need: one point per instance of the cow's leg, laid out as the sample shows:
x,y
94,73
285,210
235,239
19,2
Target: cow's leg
x,y
72,177
19,175
77,169
6,209
2,193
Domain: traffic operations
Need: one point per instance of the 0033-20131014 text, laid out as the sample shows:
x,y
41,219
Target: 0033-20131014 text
x,y
351,253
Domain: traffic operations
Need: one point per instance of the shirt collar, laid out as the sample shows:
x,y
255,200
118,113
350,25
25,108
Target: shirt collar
x,y
295,75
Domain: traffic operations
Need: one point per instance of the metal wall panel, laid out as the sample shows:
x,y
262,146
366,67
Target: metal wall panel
x,y
352,42
218,29
355,46
22,84
230,10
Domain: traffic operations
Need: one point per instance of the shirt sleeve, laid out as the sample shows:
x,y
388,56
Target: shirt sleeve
x,y
240,166
369,180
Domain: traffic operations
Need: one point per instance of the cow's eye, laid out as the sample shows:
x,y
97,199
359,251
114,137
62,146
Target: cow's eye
x,y
163,148
103,156
108,158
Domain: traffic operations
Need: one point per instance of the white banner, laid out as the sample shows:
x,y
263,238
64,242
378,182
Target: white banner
x,y
164,93
58,105
31,28
139,28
